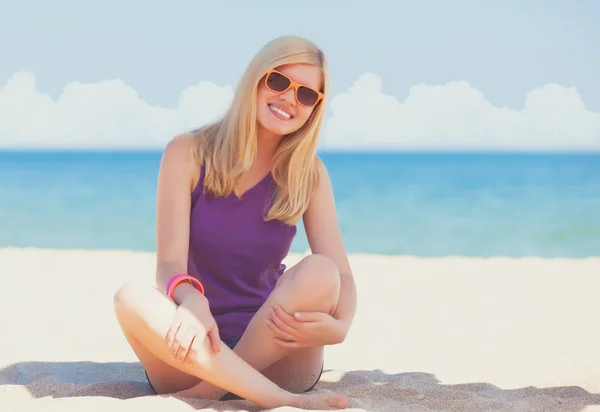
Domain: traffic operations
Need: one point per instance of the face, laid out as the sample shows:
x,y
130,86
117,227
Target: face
x,y
281,113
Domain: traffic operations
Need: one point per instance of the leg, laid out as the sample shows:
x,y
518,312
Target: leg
x,y
145,315
298,372
311,285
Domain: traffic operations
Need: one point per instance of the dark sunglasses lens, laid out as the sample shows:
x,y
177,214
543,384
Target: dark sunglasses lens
x,y
306,96
277,82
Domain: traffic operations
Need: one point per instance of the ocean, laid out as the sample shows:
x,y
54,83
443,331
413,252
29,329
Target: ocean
x,y
422,204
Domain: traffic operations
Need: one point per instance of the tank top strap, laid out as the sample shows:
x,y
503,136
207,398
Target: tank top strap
x,y
198,190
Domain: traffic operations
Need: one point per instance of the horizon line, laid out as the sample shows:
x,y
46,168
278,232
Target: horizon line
x,y
349,150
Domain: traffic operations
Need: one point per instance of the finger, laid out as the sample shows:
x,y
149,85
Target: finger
x,y
185,344
278,332
284,316
194,348
177,341
172,332
308,316
215,339
284,321
287,344
281,325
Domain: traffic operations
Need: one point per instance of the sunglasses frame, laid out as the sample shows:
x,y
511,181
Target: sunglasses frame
x,y
295,85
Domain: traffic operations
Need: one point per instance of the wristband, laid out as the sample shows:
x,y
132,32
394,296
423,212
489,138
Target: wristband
x,y
182,277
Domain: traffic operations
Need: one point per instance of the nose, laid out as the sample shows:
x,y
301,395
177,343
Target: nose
x,y
289,96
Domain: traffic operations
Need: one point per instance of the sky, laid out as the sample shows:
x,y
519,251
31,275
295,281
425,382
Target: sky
x,y
405,75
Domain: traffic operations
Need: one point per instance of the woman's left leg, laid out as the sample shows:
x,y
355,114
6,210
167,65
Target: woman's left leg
x,y
311,285
297,372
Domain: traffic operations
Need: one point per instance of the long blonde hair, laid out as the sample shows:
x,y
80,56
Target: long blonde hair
x,y
228,147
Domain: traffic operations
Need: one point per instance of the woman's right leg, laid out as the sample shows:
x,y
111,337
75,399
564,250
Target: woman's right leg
x,y
145,315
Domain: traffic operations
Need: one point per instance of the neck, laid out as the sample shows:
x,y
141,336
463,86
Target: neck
x,y
267,145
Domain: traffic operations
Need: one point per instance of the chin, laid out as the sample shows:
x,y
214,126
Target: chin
x,y
277,126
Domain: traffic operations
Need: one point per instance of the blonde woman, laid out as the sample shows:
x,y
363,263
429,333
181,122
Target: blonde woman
x,y
226,315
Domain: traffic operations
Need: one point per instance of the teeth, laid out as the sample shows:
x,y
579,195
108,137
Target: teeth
x,y
281,112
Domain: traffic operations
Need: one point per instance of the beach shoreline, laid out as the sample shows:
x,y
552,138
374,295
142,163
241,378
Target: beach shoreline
x,y
455,333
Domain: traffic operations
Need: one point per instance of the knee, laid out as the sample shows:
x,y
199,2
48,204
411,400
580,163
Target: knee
x,y
322,274
129,296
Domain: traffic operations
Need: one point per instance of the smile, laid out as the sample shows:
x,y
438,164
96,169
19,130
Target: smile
x,y
281,113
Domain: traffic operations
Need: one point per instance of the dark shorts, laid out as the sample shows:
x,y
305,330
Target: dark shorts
x,y
231,342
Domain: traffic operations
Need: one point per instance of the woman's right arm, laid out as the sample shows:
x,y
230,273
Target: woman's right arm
x,y
193,318
174,187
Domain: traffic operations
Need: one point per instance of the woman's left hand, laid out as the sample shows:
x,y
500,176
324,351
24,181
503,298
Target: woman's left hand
x,y
305,329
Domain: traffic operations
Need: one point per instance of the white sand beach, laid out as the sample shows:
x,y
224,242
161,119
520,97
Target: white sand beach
x,y
453,334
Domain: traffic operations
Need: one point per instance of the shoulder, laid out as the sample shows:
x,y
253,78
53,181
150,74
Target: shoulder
x,y
180,145
322,191
179,157
322,175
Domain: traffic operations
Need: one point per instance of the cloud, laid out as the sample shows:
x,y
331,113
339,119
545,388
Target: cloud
x,y
107,113
457,116
450,116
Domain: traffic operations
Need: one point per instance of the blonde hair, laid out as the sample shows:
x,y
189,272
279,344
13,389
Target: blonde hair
x,y
228,147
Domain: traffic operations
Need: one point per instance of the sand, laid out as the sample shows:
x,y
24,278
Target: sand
x,y
452,334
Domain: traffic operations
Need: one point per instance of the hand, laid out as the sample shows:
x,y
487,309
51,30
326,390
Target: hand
x,y
305,329
191,324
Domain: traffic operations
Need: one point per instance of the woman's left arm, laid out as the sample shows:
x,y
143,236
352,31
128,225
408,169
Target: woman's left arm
x,y
325,238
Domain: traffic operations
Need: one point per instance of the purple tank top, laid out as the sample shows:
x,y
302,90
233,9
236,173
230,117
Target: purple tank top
x,y
236,254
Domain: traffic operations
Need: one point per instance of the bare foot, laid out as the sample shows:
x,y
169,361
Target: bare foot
x,y
321,399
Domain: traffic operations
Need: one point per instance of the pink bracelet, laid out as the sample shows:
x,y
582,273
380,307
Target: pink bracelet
x,y
182,277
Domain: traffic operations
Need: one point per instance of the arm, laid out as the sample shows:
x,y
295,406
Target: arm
x,y
173,201
324,237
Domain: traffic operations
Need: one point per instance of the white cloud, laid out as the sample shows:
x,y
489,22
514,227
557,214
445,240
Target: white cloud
x,y
454,115
108,113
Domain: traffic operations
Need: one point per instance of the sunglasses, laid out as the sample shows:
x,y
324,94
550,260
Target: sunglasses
x,y
279,83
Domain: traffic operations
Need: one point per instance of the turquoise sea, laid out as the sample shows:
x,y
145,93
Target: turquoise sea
x,y
425,204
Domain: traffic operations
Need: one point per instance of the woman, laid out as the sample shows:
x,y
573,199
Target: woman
x,y
226,315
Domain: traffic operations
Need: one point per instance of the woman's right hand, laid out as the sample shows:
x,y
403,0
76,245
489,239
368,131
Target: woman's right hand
x,y
191,324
